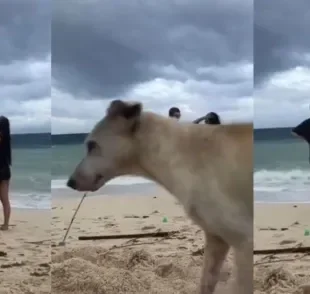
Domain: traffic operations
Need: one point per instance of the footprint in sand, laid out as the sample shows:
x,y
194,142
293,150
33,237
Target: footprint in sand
x,y
41,271
148,228
286,242
131,216
268,229
109,225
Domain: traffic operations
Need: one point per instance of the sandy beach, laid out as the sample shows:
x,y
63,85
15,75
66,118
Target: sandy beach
x,y
25,253
150,265
281,226
165,265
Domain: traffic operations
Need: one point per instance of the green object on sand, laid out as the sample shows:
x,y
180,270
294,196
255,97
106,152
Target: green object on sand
x,y
165,220
307,232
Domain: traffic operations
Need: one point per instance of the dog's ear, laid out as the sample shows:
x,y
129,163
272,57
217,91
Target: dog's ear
x,y
121,108
115,108
132,111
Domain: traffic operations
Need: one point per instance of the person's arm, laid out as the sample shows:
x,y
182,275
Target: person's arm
x,y
198,120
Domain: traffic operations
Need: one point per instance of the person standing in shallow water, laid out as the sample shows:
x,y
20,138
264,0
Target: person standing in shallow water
x,y
5,169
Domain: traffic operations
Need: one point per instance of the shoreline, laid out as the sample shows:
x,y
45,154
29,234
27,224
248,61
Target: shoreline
x,y
74,195
144,189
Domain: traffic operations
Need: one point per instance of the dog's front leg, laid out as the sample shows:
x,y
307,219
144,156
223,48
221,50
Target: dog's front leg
x,y
214,255
244,268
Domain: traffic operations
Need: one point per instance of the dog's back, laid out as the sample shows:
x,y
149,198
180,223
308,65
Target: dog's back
x,y
208,153
218,188
209,168
229,161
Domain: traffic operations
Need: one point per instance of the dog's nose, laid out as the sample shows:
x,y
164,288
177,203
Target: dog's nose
x,y
71,183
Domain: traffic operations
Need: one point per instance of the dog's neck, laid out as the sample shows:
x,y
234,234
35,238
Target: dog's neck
x,y
159,147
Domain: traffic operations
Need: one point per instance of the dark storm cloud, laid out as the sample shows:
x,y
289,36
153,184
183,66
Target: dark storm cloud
x,y
25,40
281,30
102,48
25,63
24,29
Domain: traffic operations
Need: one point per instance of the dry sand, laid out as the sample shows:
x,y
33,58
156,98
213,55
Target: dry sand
x,y
164,265
161,265
25,253
281,226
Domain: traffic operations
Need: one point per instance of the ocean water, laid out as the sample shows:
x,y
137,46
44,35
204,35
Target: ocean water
x,y
282,168
42,163
30,185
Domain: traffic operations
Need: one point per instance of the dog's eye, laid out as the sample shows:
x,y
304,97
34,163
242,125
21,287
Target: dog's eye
x,y
91,145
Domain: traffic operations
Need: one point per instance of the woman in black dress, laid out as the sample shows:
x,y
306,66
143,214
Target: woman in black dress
x,y
5,170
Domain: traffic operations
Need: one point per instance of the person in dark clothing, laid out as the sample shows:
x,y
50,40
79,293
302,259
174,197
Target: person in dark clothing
x,y
211,118
5,170
303,131
175,112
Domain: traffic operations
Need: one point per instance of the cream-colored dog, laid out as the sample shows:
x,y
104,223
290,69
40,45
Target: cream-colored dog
x,y
208,168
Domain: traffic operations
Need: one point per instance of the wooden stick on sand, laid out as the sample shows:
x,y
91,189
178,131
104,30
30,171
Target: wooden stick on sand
x,y
130,236
283,251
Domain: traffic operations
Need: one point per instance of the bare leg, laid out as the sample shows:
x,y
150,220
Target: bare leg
x,y
244,268
4,197
215,252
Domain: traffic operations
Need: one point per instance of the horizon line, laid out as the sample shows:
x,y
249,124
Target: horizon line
x,y
82,133
63,134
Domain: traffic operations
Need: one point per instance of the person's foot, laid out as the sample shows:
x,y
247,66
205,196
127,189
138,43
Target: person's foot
x,y
4,227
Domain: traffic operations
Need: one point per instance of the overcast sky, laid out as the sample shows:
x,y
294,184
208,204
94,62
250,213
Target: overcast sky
x,y
25,69
281,62
197,55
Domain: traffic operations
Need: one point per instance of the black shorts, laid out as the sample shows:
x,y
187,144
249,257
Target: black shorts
x,y
5,173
